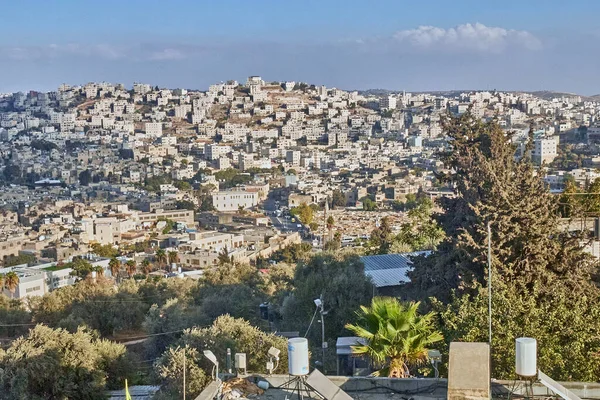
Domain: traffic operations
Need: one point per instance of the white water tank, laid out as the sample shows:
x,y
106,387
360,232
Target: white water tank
x,y
298,356
526,357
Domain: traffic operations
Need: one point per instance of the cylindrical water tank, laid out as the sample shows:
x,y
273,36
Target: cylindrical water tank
x,y
298,356
526,357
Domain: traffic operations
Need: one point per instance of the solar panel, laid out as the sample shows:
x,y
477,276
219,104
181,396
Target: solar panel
x,y
325,388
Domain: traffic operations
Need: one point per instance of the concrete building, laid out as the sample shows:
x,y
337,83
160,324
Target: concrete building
x,y
233,200
153,129
545,150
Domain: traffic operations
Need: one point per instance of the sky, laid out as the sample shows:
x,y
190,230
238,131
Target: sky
x,y
350,44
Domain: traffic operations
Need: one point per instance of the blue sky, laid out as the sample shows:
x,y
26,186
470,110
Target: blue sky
x,y
428,45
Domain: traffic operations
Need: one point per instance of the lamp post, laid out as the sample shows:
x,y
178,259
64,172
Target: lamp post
x,y
320,303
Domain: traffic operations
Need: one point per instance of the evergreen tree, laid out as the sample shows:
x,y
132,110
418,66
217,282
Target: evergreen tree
x,y
542,280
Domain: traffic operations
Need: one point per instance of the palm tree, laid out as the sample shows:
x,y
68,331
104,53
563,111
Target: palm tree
x,y
1,281
173,257
161,256
130,267
115,266
11,281
99,270
396,335
146,267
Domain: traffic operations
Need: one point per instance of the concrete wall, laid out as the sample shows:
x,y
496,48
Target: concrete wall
x,y
370,388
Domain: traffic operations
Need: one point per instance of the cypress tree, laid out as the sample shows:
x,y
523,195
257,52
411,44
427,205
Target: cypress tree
x,y
542,279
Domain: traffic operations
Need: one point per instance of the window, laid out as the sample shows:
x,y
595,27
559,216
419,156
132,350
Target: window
x,y
32,289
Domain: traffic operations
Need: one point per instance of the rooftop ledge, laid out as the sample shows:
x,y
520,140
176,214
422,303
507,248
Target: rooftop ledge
x,y
372,388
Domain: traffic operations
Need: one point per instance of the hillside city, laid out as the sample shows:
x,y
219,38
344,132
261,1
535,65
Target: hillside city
x,y
151,224
103,165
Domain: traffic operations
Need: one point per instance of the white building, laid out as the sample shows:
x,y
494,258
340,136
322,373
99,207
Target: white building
x,y
387,103
545,150
154,129
233,200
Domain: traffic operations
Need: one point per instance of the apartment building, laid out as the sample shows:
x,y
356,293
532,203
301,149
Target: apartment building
x,y
233,200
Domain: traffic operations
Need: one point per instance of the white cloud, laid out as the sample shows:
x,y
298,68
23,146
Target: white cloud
x,y
167,55
467,37
53,50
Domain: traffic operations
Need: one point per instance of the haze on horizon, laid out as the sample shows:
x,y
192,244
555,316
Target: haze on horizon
x,y
533,45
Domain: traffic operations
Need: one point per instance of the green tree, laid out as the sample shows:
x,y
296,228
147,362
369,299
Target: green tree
x,y
338,199
160,257
20,259
115,266
173,257
381,238
82,268
14,316
146,267
368,204
537,270
85,177
185,205
11,281
169,368
340,278
131,267
397,337
241,337
106,250
304,213
182,185
55,364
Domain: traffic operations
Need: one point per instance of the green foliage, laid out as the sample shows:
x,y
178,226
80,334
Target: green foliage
x,y
338,199
421,232
542,280
81,267
182,185
397,337
22,258
55,364
340,278
368,204
231,177
153,183
173,316
380,241
241,337
99,306
169,227
576,202
85,177
43,145
304,213
230,281
13,312
185,205
169,369
292,253
106,250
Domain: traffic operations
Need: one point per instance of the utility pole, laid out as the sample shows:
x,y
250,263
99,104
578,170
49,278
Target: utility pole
x,y
489,232
184,373
323,342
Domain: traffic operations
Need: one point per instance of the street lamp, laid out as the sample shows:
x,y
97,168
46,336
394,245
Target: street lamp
x,y
320,303
213,359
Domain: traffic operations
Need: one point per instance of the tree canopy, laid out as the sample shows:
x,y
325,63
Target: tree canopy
x,y
542,280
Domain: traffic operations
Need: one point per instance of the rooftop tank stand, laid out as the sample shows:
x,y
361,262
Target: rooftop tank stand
x,y
298,368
